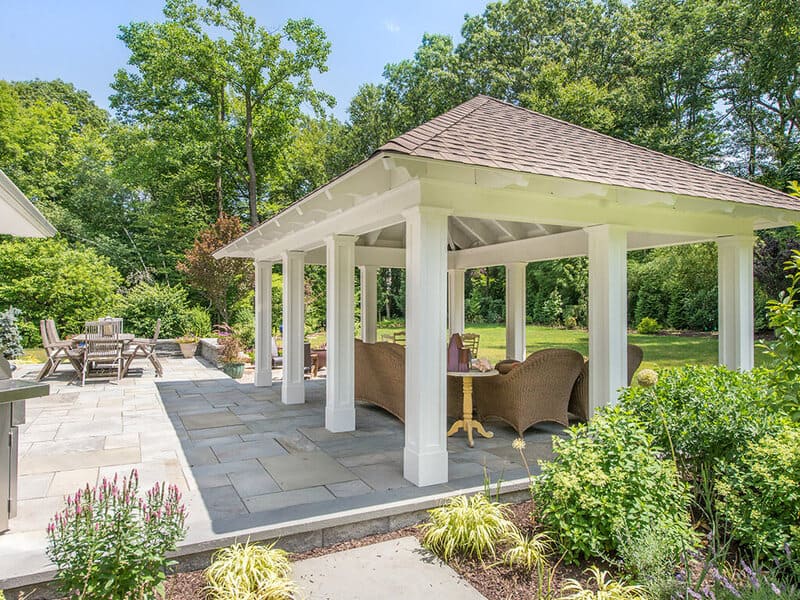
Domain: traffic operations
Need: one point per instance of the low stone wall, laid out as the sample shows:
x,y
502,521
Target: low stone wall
x,y
209,350
168,348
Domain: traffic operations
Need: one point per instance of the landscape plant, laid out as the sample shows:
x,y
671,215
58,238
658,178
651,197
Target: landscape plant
x,y
469,526
111,544
250,572
648,326
198,322
759,499
600,586
606,478
145,303
10,339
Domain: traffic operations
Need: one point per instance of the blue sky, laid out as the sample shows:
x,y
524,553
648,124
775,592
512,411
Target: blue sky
x,y
76,40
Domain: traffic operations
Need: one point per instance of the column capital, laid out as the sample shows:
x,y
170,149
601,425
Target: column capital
x,y
421,209
606,229
341,240
739,241
287,254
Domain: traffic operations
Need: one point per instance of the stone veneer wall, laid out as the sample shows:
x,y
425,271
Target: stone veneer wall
x,y
209,350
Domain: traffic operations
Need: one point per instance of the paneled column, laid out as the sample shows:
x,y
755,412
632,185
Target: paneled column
x,y
515,311
369,304
455,301
608,313
340,412
263,377
735,284
425,454
293,390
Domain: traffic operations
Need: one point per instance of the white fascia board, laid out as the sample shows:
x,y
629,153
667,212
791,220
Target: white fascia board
x,y
374,213
21,217
366,256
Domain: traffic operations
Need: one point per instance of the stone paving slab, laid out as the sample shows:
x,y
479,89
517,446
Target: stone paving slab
x,y
398,568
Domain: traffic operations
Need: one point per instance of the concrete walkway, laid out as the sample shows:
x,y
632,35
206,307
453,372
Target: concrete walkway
x,y
398,568
242,459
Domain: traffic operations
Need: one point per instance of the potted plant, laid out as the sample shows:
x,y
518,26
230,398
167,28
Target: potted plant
x,y
230,352
188,343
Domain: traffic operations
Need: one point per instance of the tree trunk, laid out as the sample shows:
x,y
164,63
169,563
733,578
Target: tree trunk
x,y
220,142
251,166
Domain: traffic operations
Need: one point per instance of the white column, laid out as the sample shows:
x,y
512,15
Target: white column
x,y
425,454
293,390
340,412
263,376
735,283
455,301
608,314
515,311
369,304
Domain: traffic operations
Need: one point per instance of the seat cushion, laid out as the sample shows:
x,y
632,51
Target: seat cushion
x,y
506,366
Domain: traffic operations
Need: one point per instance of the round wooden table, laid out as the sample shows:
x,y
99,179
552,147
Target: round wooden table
x,y
467,423
125,338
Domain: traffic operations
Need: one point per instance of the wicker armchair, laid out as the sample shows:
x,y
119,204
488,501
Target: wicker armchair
x,y
579,399
536,391
380,376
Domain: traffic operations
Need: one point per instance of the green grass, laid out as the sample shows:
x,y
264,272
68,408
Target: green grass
x,y
32,356
660,351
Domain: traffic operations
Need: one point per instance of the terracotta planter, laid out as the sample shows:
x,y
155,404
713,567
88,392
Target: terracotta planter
x,y
233,370
188,350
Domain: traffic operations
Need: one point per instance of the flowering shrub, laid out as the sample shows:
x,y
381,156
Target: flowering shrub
x,y
647,378
760,497
607,479
109,543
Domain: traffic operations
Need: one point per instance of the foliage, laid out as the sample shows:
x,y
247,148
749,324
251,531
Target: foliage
x,y
528,553
760,497
648,326
731,583
703,414
601,587
198,322
145,303
110,543
607,478
651,560
221,281
250,572
10,339
467,526
49,279
230,345
784,351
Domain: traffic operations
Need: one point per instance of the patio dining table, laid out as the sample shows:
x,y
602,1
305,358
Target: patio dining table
x,y
124,338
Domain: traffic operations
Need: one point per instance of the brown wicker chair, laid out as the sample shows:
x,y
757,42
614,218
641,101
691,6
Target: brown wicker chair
x,y
536,391
380,376
579,399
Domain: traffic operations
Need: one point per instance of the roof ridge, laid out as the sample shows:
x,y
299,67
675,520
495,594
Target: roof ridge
x,y
640,147
443,129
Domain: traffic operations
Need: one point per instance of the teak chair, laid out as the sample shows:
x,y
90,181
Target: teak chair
x,y
145,348
57,350
101,350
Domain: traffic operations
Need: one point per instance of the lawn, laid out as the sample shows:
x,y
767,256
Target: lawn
x,y
660,351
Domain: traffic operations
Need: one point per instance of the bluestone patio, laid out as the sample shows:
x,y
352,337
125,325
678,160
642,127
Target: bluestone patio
x,y
243,460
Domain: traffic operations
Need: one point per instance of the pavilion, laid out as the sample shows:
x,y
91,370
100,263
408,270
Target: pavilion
x,y
490,183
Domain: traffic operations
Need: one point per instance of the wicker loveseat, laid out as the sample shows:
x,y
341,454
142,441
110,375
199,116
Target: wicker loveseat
x,y
380,376
536,391
579,399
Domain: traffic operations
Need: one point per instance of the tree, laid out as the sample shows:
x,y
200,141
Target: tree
x,y
221,281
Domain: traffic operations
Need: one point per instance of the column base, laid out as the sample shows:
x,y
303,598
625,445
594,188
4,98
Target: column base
x,y
263,379
293,392
429,468
340,420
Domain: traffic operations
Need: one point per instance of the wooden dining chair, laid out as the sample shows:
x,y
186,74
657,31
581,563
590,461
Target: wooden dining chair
x,y
145,348
101,350
57,350
471,341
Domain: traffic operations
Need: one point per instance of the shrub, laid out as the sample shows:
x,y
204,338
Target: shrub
x,y
467,526
608,478
109,543
10,340
230,347
250,572
703,414
648,326
48,279
760,497
198,322
145,303
570,322
601,587
651,559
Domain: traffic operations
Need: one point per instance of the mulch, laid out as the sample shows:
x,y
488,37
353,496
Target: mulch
x,y
494,581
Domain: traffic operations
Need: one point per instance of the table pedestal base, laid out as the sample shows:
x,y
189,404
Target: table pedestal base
x,y
467,423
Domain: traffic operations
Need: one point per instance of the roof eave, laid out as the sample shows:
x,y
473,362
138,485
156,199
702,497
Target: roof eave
x,y
25,208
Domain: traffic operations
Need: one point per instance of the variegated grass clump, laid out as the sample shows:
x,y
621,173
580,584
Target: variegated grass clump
x,y
250,572
528,553
468,526
606,588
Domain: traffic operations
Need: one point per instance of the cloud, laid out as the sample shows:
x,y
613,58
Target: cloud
x,y
391,26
